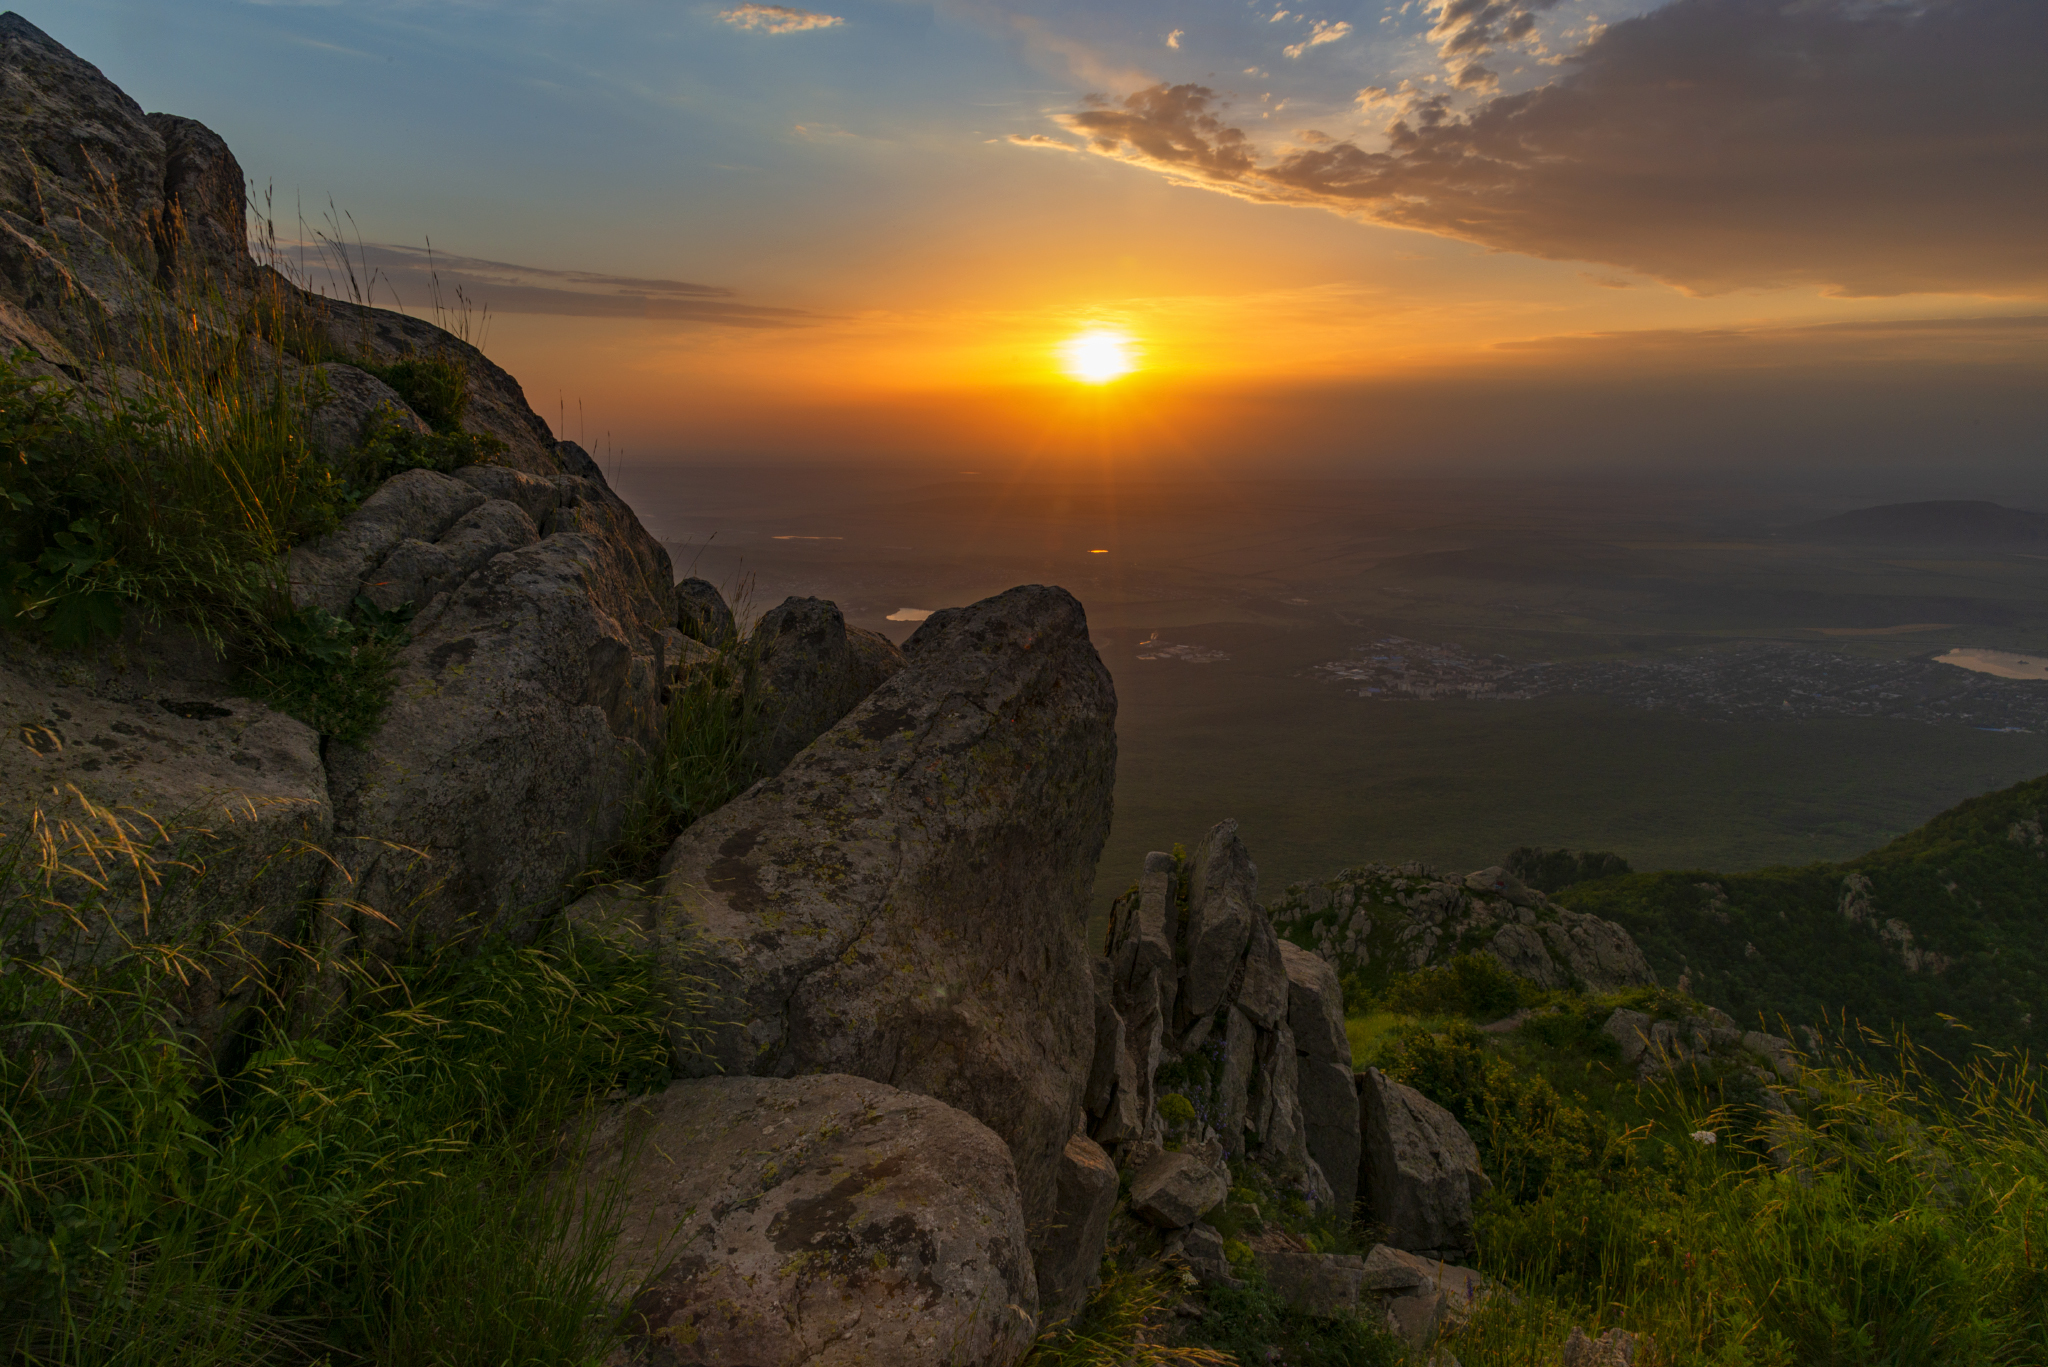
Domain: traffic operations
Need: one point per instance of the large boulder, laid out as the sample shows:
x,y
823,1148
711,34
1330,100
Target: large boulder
x,y
1072,1261
1420,1174
526,702
907,900
1329,1095
823,1221
805,670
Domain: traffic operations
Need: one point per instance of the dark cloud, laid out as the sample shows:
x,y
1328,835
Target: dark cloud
x,y
409,278
1870,146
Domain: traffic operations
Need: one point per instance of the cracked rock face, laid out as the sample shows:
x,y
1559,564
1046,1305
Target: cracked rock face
x,y
907,900
828,1220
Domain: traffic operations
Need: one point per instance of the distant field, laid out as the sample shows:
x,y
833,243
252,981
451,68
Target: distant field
x,y
1319,778
1283,575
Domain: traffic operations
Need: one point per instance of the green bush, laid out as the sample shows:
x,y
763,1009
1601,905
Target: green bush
x,y
378,1192
332,673
436,389
1176,1111
1529,1135
1251,1321
1474,985
177,500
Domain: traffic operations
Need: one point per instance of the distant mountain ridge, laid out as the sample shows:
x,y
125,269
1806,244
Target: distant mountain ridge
x,y
1940,522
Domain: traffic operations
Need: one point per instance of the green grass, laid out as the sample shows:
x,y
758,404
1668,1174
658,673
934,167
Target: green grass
x,y
376,1190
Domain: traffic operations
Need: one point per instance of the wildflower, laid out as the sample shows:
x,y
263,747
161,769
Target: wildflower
x,y
1705,1137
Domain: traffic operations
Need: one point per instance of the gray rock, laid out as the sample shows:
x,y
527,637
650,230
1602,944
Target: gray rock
x,y
1329,1095
806,669
345,401
1222,881
81,195
1174,1190
1262,982
1500,883
1420,1296
1632,1030
538,497
525,703
1599,954
702,614
1420,1174
1071,1262
418,505
1777,1050
203,234
907,899
418,572
1325,1285
823,1221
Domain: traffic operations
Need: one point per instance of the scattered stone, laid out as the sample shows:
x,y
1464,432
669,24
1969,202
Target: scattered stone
x,y
828,1221
1420,1173
1176,1189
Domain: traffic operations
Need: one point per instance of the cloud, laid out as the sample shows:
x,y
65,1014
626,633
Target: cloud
x,y
1324,33
1040,140
406,276
1173,38
1473,28
777,18
1870,147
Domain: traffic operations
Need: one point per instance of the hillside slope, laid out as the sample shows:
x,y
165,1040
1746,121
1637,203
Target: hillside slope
x,y
1942,931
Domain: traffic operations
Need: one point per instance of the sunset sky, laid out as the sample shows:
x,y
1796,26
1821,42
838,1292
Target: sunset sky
x,y
1706,233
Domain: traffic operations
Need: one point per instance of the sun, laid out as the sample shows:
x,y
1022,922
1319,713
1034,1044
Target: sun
x,y
1099,355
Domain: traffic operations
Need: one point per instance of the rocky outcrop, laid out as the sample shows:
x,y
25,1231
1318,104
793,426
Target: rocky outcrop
x,y
1377,922
1655,1046
531,687
1420,1174
823,1221
906,900
805,670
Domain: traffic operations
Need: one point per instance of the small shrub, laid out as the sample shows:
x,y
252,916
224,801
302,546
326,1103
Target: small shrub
x,y
1176,1111
436,389
1254,1325
332,673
